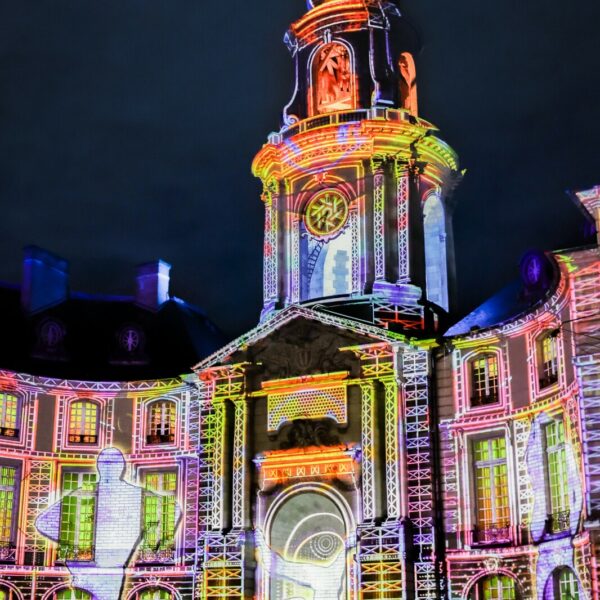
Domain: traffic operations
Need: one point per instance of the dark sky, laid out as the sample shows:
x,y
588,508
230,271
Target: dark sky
x,y
127,129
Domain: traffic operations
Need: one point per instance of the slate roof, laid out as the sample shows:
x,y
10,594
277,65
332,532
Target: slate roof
x,y
104,338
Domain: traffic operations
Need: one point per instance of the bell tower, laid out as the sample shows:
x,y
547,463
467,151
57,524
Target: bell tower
x,y
356,185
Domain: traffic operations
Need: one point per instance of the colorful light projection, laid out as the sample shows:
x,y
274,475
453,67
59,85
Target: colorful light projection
x,y
333,79
306,556
110,513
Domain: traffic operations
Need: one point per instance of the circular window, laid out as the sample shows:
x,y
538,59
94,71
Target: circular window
x,y
326,213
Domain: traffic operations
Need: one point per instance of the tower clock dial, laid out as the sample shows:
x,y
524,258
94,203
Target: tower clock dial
x,y
326,213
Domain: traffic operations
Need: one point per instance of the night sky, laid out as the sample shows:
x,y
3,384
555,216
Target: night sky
x,y
127,129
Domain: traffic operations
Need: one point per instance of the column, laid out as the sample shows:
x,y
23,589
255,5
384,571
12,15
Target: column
x,y
240,464
392,453
402,196
368,428
378,170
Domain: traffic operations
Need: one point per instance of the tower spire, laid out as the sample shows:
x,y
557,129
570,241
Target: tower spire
x,y
355,183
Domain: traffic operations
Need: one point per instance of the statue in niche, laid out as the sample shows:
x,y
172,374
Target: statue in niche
x,y
333,79
408,83
302,433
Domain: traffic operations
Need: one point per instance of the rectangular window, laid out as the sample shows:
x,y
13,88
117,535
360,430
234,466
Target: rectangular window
x,y
161,422
484,380
160,502
548,360
492,510
557,476
9,415
78,511
83,422
8,504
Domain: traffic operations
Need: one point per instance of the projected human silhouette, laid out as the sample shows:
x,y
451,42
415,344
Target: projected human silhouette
x,y
117,532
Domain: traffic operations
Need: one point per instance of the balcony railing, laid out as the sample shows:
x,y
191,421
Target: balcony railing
x,y
558,522
160,438
9,432
83,439
8,552
75,553
148,555
492,534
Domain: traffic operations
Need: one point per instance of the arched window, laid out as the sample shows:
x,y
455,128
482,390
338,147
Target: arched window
x,y
566,586
332,79
9,415
484,379
307,539
72,594
408,82
162,417
494,587
436,268
154,593
83,422
547,353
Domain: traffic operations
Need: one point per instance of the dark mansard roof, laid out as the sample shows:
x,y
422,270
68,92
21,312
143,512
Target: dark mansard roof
x,y
102,338
539,278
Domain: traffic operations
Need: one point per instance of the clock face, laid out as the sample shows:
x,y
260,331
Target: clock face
x,y
326,213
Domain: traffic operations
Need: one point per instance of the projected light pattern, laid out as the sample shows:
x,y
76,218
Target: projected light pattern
x,y
325,456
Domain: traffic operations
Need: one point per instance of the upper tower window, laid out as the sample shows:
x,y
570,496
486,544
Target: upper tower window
x,y
332,80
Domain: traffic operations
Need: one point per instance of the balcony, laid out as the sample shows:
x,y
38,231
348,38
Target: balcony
x,y
558,523
156,556
75,553
154,439
9,432
493,534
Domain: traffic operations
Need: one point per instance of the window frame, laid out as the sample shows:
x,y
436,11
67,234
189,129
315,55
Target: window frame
x,y
495,533
477,591
8,547
547,382
139,593
88,555
163,437
474,401
558,522
557,582
18,425
81,429
159,554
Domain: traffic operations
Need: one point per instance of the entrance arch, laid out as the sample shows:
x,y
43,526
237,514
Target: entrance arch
x,y
306,554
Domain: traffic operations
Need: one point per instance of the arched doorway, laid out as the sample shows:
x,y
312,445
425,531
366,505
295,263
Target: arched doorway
x,y
306,555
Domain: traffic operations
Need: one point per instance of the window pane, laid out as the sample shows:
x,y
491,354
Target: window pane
x,y
77,516
159,510
162,421
484,379
72,594
8,411
83,422
155,594
8,484
498,587
568,589
557,474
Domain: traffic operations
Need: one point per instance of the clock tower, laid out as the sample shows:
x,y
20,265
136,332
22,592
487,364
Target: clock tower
x,y
356,184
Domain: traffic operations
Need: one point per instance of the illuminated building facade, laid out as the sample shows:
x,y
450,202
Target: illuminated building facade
x,y
351,445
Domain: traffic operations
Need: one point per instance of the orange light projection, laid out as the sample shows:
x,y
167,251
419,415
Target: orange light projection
x,y
333,80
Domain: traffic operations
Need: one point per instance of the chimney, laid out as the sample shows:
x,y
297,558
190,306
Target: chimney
x,y
152,284
45,279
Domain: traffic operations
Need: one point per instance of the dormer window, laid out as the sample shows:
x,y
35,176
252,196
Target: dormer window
x,y
484,380
83,422
9,415
161,422
547,350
